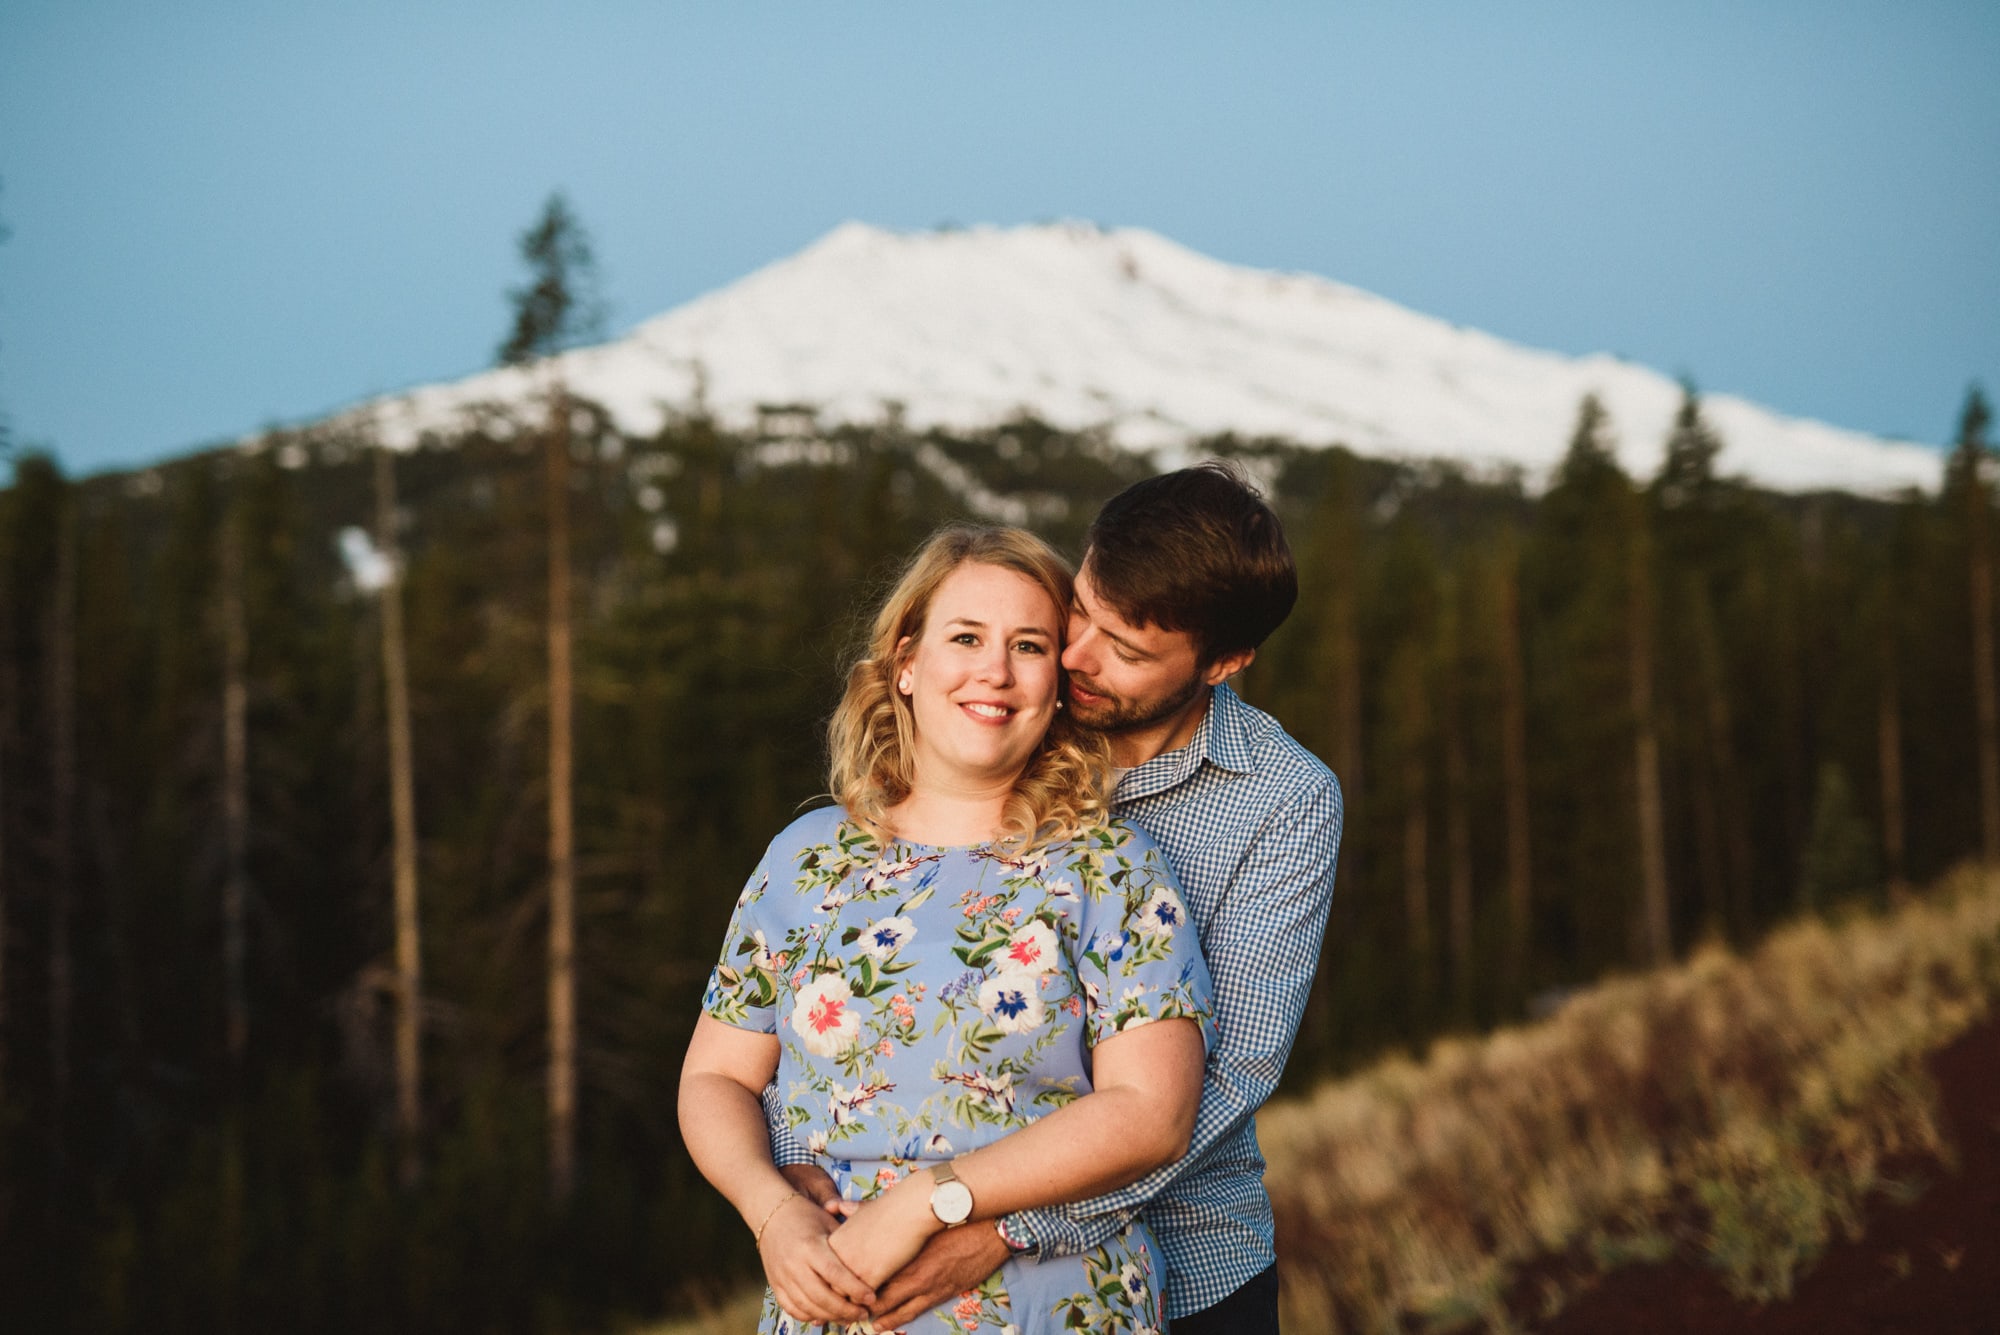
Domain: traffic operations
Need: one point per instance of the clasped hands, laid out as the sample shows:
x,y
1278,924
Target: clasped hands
x,y
885,1261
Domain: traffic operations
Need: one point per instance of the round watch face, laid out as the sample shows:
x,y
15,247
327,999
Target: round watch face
x,y
951,1202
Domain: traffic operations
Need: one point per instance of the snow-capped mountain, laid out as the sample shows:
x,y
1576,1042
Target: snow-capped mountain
x,y
1158,345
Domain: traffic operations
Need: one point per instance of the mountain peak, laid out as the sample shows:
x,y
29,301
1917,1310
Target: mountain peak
x,y
1126,331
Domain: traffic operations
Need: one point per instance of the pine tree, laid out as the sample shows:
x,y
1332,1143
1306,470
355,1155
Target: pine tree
x,y
556,309
1967,466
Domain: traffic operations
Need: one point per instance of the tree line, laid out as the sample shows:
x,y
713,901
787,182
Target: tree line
x,y
369,820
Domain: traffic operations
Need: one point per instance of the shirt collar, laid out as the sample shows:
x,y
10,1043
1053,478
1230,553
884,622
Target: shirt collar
x,y
1222,738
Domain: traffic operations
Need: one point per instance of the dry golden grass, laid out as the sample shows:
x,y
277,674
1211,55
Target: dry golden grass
x,y
735,1317
1738,1107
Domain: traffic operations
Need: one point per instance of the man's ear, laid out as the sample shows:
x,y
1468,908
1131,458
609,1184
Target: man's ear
x,y
1227,666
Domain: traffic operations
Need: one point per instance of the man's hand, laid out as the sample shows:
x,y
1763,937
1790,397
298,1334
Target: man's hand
x,y
950,1263
805,1276
813,1182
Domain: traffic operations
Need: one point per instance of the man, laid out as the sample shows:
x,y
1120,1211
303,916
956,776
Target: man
x,y
1183,577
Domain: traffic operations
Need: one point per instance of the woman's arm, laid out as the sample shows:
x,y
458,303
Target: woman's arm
x,y
722,1123
1146,1085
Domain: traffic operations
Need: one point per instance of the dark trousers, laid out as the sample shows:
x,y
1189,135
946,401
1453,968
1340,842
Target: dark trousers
x,y
1251,1310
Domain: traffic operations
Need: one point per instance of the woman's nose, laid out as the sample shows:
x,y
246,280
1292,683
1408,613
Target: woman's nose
x,y
997,665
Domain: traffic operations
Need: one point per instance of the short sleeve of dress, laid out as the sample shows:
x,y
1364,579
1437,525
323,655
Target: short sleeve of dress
x,y
1137,951
743,987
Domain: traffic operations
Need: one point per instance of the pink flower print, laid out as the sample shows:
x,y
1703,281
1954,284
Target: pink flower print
x,y
798,980
885,1049
1074,1005
1010,915
967,1310
885,1178
1032,949
824,1018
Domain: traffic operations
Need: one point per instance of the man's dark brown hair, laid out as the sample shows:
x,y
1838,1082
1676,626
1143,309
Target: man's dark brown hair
x,y
1196,550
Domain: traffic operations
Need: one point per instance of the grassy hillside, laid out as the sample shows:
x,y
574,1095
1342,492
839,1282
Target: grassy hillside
x,y
1742,1109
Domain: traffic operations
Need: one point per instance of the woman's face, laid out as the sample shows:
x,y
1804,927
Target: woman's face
x,y
982,677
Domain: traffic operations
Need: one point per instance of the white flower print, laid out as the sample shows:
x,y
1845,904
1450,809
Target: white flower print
x,y
1133,1282
1162,912
885,936
997,1088
1032,949
764,958
825,1017
1012,1002
847,1105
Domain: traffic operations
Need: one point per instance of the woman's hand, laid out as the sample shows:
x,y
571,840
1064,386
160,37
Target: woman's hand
x,y
806,1277
885,1234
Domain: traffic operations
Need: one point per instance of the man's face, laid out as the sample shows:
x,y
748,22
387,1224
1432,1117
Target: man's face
x,y
1124,677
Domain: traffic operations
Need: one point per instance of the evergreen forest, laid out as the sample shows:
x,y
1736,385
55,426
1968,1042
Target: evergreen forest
x,y
362,862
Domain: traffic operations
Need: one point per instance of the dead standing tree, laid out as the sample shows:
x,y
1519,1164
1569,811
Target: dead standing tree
x,y
555,310
403,818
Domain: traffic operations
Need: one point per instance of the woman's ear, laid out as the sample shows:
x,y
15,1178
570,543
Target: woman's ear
x,y
902,661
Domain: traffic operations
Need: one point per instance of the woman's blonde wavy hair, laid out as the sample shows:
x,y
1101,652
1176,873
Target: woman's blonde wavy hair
x,y
870,738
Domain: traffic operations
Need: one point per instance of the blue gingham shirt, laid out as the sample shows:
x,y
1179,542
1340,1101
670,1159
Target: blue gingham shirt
x,y
1250,822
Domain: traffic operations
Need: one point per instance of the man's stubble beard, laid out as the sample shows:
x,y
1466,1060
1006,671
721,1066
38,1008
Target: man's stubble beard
x,y
1120,716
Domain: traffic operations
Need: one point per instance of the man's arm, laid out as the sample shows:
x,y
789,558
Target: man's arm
x,y
1262,949
786,1152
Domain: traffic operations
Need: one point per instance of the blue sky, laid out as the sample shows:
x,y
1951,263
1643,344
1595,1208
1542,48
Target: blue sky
x,y
227,214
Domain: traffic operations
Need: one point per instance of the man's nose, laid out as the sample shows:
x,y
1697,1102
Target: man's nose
x,y
1076,655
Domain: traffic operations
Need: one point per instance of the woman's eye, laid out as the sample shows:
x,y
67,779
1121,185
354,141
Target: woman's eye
x,y
965,637
1032,647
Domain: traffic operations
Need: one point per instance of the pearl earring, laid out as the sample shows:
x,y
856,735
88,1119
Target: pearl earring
x,y
903,685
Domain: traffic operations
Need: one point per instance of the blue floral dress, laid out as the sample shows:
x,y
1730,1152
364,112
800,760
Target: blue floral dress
x,y
930,1000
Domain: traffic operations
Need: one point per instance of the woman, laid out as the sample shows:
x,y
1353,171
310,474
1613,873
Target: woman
x,y
955,973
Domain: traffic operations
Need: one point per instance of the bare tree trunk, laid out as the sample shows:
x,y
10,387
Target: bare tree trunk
x,y
7,680
235,799
403,816
562,845
1458,795
1715,830
1646,749
1347,690
1514,763
1416,868
1413,730
62,828
1981,561
1725,799
1889,744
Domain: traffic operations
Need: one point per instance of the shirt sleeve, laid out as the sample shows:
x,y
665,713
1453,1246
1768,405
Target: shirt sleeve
x,y
743,991
1262,948
743,987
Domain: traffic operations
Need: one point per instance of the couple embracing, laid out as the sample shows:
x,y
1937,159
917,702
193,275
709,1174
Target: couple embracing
x,y
986,1039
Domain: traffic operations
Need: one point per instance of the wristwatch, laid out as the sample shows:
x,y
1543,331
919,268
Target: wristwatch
x,y
951,1199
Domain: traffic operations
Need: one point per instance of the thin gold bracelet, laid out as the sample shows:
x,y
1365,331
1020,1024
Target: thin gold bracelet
x,y
758,1232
